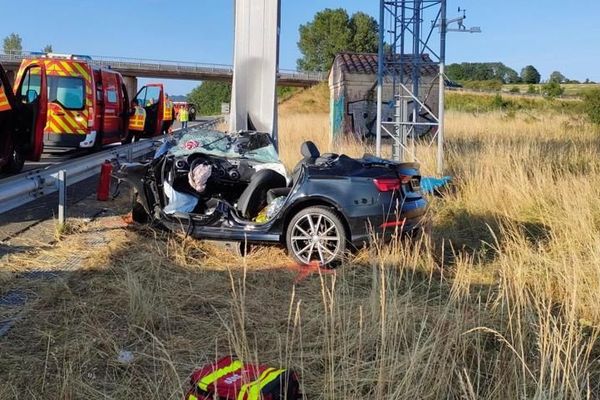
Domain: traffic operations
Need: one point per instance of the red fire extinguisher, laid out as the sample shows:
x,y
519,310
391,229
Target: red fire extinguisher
x,y
104,182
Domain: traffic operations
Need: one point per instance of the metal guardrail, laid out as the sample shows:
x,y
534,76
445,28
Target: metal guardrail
x,y
21,189
166,65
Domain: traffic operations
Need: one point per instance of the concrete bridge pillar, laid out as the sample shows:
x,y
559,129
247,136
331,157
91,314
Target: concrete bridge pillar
x,y
131,85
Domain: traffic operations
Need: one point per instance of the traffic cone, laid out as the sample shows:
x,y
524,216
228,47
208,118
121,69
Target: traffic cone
x,y
104,182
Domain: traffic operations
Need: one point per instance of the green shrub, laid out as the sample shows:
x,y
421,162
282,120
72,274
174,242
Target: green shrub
x,y
592,105
531,89
515,89
552,89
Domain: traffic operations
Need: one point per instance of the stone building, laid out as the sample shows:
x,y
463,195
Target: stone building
x,y
353,93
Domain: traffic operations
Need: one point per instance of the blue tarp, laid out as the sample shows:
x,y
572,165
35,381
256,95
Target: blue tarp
x,y
431,185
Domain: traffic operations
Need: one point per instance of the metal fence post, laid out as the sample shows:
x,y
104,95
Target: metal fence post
x,y
62,196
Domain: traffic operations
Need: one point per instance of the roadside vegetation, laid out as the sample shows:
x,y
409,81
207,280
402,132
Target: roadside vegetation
x,y
501,300
508,102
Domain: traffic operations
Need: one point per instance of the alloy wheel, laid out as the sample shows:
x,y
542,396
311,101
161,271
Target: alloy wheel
x,y
316,236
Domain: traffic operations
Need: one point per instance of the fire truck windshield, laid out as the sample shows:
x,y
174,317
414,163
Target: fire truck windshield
x,y
67,91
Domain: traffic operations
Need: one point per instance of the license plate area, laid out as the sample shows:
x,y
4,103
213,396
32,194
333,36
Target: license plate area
x,y
415,184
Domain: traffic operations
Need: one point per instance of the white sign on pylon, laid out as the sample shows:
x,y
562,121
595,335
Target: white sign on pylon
x,y
255,66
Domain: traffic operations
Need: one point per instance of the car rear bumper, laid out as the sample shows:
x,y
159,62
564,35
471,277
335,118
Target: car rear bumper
x,y
385,229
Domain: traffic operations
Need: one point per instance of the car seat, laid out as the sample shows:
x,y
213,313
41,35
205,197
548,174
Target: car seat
x,y
254,197
311,156
310,153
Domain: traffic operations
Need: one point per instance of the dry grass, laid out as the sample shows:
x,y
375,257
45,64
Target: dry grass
x,y
502,303
311,100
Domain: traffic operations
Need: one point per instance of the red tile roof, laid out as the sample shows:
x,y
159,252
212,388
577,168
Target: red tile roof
x,y
366,63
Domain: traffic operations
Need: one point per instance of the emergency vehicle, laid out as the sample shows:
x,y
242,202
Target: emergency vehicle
x,y
86,106
159,110
63,101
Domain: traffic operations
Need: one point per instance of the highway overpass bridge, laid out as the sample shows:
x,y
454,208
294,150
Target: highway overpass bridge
x,y
132,68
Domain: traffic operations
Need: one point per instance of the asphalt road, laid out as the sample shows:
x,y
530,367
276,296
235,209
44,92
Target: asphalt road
x,y
22,219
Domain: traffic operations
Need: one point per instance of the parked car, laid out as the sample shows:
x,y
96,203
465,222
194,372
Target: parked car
x,y
330,204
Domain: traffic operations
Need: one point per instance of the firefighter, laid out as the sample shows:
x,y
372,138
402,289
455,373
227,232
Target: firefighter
x,y
167,115
137,120
183,117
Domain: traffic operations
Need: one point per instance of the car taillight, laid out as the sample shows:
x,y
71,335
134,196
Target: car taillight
x,y
390,184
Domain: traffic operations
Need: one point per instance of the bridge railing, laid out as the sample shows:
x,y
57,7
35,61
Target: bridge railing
x,y
165,65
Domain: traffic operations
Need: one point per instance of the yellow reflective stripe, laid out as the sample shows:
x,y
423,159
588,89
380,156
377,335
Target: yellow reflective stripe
x,y
62,124
52,127
4,105
192,397
248,386
252,390
82,70
255,390
67,68
219,373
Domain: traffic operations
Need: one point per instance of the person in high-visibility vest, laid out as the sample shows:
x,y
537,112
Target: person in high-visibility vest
x,y
184,117
167,114
137,120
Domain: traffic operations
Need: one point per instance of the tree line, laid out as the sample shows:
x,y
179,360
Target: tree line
x,y
497,71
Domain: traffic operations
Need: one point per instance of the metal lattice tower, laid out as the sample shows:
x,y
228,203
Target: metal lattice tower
x,y
416,44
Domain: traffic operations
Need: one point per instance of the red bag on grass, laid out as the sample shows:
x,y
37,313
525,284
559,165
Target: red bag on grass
x,y
230,379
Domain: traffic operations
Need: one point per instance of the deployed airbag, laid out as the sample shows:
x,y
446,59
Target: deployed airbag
x,y
198,177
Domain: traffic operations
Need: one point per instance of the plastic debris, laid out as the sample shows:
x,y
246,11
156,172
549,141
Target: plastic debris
x,y
125,357
270,210
431,185
274,206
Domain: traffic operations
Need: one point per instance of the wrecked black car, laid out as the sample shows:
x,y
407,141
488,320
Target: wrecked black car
x,y
233,187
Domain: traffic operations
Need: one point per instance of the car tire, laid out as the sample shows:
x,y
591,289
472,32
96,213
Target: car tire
x,y
305,245
16,162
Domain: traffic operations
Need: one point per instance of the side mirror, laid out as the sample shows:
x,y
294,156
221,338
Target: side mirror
x,y
32,95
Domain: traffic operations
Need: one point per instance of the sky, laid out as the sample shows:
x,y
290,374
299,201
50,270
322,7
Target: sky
x,y
549,34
